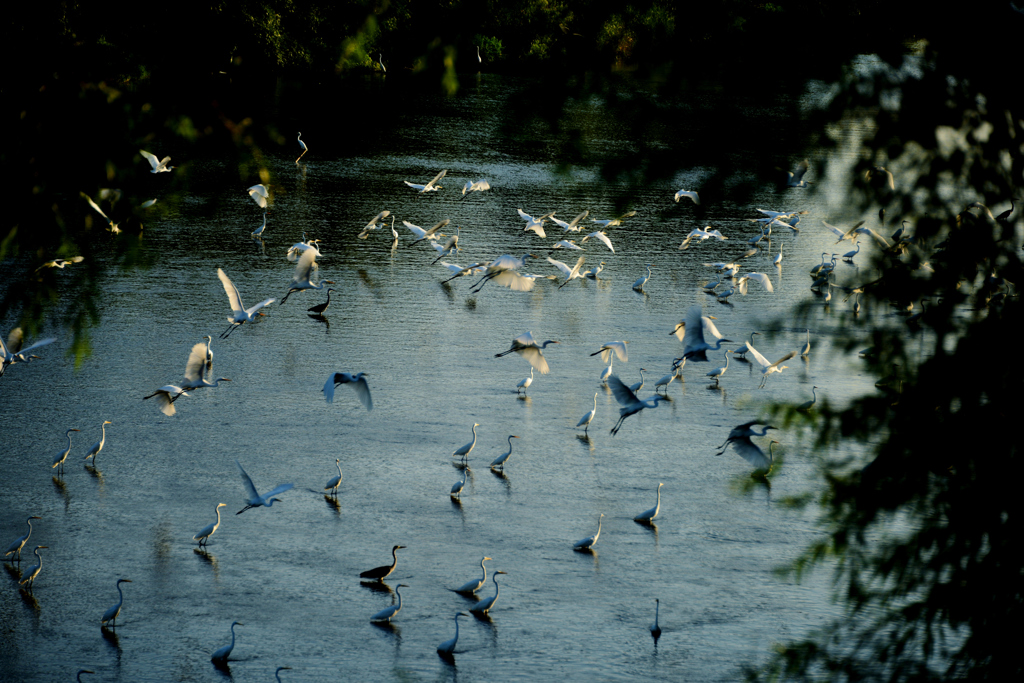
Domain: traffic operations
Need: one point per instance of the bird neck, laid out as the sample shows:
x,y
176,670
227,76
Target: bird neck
x,y
120,595
232,636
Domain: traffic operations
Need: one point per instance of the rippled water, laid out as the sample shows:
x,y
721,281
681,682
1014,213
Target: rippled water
x,y
290,573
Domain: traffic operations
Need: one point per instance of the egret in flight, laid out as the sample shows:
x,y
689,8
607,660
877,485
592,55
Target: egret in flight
x,y
744,431
19,543
304,271
448,647
485,605
750,452
111,614
156,165
195,366
30,576
573,225
379,573
503,271
427,234
165,398
204,535
700,235
588,543
478,186
690,194
372,225
255,499
112,226
599,235
60,263
471,587
240,313
694,332
588,418
15,352
535,224
500,461
220,657
766,367
796,178
527,347
98,446
570,274
618,347
608,223
631,405
259,195
63,455
389,613
432,186
358,382
648,516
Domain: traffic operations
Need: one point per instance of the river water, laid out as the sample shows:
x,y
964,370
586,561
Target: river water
x,y
290,573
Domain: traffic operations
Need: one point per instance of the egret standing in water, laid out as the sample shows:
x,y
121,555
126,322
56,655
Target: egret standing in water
x,y
255,499
19,543
379,573
718,372
588,543
334,482
204,535
447,648
461,484
589,417
655,629
485,605
33,572
471,587
525,383
63,455
648,516
639,284
302,145
389,613
464,451
807,347
500,461
220,657
111,614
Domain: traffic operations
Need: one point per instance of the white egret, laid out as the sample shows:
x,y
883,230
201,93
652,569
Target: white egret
x,y
567,244
639,284
380,62
592,273
422,234
334,482
204,535
447,648
30,576
638,385
372,225
806,347
464,451
525,383
60,263
479,59
631,405
848,256
608,223
796,178
302,146
98,446
694,332
573,225
759,278
165,398
881,241
600,235
259,195
485,605
619,347
856,305
744,431
258,232
807,405
476,186
394,234
220,657
742,351
717,373
588,543
500,461
676,374
503,271
723,296
655,629
778,257
379,573
240,313
471,587
691,194
304,270
535,224
450,246
883,177
457,487
841,234
766,367
432,186
63,455
255,499
157,165
194,368
528,348
648,516
19,543
570,274
750,452
320,308
299,248
589,417
389,613
111,225
458,271
700,235
607,372
358,382
111,614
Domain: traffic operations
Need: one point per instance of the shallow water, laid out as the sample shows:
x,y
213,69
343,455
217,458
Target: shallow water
x,y
290,572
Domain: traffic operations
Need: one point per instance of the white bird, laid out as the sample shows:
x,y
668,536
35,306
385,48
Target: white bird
x,y
304,271
759,278
240,314
358,382
639,385
194,368
258,232
796,178
450,246
573,225
778,257
394,234
567,244
806,347
471,587
676,374
422,234
448,647
700,235
204,534
848,256
334,482
588,543
694,332
600,235
639,284
807,405
111,225
259,195
723,296
477,186
380,61
299,248
30,576
607,223
592,273
255,499
631,405
464,451
221,655
486,604
63,455
502,271
15,352
525,383
648,516
742,351
717,373
372,225
432,186
98,446
655,629
389,613
766,367
111,614
535,224
589,417
157,165
458,271
19,543
165,398
457,487
302,146
841,234
882,242
570,274
693,196
527,347
60,263
500,461
750,452
744,431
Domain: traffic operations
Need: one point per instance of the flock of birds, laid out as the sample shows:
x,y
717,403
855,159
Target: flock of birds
x,y
697,333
